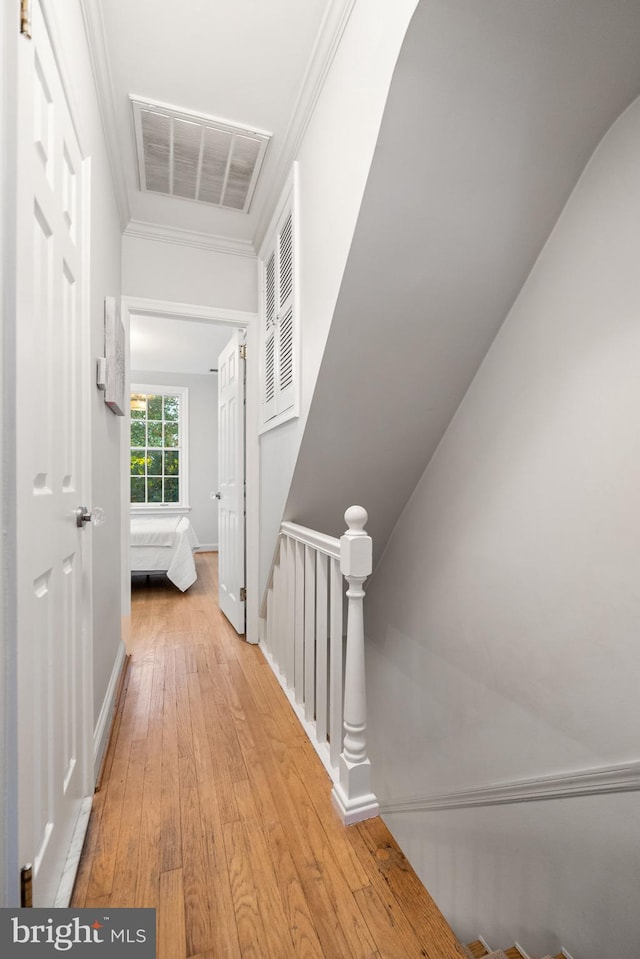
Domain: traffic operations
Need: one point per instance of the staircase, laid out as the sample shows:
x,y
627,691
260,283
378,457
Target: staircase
x,y
479,950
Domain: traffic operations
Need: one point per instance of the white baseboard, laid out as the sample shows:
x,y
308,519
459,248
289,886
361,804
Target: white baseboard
x,y
103,726
65,887
207,548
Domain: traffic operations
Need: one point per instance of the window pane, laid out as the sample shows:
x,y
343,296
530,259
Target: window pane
x,y
154,490
154,406
171,434
154,434
138,460
155,442
171,407
172,463
171,492
137,489
154,463
138,429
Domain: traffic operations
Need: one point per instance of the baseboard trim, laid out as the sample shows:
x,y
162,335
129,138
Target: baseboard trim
x,y
622,777
207,548
103,726
67,882
322,749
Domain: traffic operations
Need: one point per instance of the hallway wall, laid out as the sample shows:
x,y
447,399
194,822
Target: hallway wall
x,y
183,274
334,161
502,619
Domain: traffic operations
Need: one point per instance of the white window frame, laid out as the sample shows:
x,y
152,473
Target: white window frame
x,y
182,506
286,403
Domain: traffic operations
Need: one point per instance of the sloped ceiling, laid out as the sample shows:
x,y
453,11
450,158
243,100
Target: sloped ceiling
x,y
494,110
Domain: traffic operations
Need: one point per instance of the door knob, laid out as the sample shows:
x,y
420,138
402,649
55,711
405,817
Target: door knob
x,y
85,515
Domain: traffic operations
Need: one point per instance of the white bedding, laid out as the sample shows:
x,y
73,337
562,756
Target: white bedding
x,y
164,544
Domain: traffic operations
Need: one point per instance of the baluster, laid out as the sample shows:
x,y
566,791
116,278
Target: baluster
x,y
352,794
299,624
309,632
321,647
270,621
336,663
277,613
290,610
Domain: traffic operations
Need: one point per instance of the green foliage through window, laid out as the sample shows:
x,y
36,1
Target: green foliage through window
x,y
155,448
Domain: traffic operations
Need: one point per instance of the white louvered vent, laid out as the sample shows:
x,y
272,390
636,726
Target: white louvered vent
x,y
197,158
286,349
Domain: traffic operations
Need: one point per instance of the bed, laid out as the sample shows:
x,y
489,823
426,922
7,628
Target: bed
x,y
164,544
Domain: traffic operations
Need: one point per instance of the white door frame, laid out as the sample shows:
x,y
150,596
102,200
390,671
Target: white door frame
x,y
132,306
9,869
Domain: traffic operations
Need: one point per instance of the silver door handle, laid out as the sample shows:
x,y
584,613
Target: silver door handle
x,y
86,515
83,515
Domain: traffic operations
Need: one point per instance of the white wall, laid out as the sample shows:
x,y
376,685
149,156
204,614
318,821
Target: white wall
x,y
334,161
182,274
503,617
203,446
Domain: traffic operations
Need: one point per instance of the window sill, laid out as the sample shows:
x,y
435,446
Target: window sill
x,y
159,510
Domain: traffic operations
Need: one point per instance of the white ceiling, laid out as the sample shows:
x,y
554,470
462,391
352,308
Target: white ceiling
x,y
169,345
252,62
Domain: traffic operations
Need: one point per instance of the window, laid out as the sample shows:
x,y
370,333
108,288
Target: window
x,y
159,446
279,317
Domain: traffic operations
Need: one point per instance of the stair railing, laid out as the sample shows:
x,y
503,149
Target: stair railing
x,y
321,670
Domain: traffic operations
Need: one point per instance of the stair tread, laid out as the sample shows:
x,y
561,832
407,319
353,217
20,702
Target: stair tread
x,y
514,953
477,949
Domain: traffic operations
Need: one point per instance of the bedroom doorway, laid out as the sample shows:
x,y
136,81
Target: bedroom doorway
x,y
191,338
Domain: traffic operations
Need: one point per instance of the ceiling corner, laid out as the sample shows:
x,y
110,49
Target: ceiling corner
x,y
202,241
332,28
97,43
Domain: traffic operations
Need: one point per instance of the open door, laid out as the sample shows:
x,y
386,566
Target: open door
x,y
53,408
231,482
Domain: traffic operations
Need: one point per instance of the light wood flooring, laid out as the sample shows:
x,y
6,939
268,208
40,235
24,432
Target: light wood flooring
x,y
214,809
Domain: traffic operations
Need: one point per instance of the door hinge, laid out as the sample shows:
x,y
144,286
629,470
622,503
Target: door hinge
x,y
243,351
26,886
243,594
25,18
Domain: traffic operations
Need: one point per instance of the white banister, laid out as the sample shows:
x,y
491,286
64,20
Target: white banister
x,y
303,639
352,795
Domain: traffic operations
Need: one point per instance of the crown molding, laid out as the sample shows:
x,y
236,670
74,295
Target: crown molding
x,y
179,237
623,777
97,42
327,42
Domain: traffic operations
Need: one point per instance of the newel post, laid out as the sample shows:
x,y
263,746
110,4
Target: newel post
x,y
352,794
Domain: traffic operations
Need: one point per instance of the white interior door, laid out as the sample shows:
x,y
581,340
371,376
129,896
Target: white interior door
x,y
231,483
54,668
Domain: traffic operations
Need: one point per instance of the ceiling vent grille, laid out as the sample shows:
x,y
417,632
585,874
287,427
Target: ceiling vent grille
x,y
197,158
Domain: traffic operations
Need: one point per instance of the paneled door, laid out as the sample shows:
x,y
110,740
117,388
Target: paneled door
x,y
53,398
231,483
